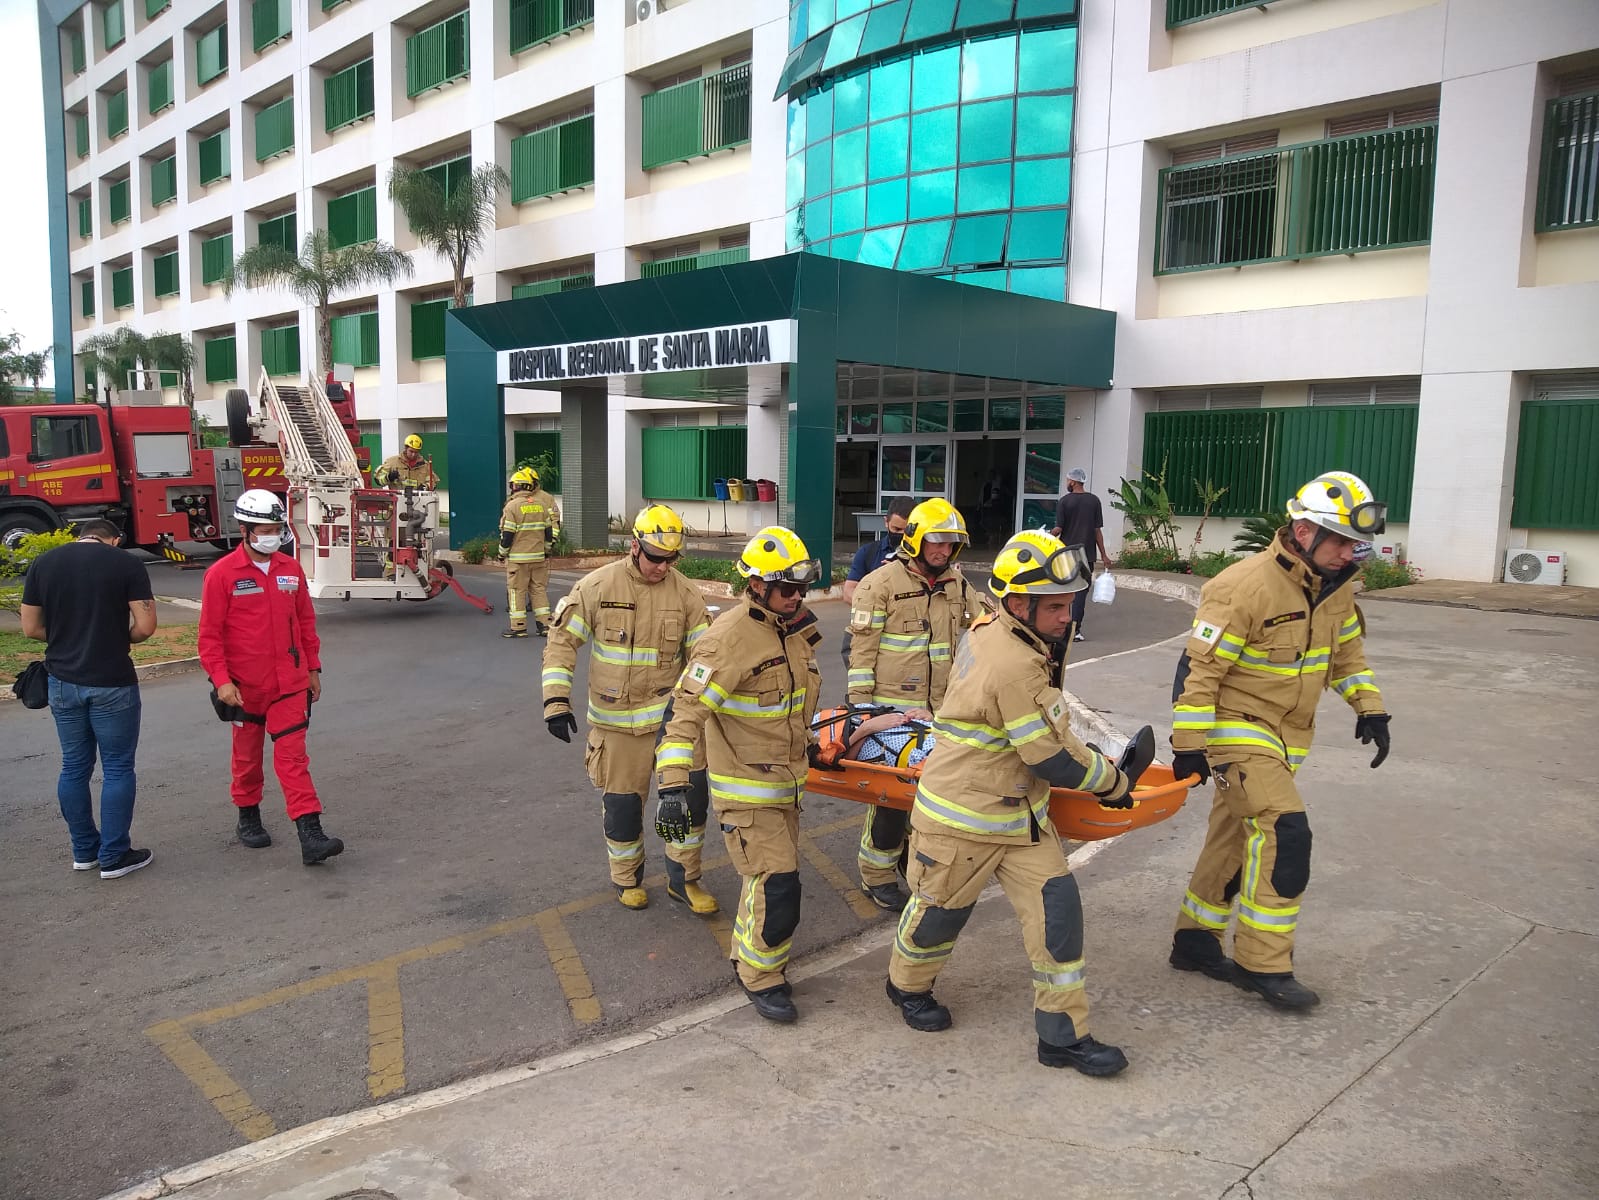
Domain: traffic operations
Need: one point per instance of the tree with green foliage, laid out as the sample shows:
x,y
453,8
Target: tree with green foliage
x,y
455,226
1259,532
17,364
316,274
121,357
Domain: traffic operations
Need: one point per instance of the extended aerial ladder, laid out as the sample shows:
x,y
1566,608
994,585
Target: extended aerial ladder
x,y
351,540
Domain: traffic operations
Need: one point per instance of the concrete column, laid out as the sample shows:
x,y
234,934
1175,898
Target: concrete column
x,y
584,488
625,461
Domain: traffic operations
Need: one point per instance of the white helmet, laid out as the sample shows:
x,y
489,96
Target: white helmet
x,y
1340,503
259,507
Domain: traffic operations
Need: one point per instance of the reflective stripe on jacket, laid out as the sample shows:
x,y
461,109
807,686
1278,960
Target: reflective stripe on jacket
x,y
1269,638
903,630
530,521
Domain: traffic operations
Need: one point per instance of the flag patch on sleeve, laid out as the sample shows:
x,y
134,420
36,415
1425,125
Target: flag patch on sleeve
x,y
1205,632
700,672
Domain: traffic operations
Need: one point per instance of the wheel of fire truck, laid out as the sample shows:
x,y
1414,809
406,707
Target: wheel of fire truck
x,y
238,410
16,524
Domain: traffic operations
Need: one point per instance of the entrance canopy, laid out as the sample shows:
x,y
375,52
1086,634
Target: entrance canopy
x,y
803,313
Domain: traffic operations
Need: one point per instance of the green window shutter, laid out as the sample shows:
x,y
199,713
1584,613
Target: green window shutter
x,y
80,133
166,274
154,8
211,55
536,21
553,160
1185,12
280,231
1556,485
116,113
680,464
85,218
120,202
449,174
437,54
164,181
1568,171
427,329
221,360
160,86
347,97
270,21
548,287
694,262
353,218
274,129
1228,448
216,258
697,117
111,24
327,5
436,447
215,157
122,288
355,339
280,350
75,51
86,296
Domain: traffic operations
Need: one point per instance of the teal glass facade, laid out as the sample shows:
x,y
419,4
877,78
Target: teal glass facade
x,y
941,147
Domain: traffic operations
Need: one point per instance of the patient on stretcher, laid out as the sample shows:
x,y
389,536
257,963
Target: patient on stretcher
x,y
883,736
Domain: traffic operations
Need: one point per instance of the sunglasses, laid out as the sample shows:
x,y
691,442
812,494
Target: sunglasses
x,y
659,558
784,588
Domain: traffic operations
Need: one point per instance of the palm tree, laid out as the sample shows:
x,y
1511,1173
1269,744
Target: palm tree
x,y
109,356
456,225
320,270
173,352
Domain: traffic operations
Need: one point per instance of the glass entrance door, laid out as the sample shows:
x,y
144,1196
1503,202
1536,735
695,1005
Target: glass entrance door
x,y
918,469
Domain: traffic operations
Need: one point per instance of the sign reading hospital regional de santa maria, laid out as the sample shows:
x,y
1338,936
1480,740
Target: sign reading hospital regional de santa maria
x,y
728,346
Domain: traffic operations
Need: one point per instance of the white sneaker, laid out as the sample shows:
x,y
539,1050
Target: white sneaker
x,y
85,866
1078,638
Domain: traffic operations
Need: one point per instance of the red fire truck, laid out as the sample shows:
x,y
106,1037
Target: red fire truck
x,y
139,463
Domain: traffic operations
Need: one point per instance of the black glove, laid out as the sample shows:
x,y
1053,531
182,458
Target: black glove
x,y
671,815
562,724
1373,727
1190,762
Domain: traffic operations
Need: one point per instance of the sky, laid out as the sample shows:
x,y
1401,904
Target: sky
x,y
25,267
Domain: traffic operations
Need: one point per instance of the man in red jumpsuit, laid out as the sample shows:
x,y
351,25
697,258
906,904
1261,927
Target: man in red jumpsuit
x,y
258,644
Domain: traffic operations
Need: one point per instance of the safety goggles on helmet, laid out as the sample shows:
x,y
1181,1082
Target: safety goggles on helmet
x,y
802,574
1370,517
935,520
777,555
1340,503
660,529
1035,563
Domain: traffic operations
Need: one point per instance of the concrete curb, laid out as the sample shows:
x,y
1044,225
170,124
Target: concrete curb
x,y
1173,587
155,670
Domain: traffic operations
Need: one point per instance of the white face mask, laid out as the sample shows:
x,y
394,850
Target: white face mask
x,y
266,543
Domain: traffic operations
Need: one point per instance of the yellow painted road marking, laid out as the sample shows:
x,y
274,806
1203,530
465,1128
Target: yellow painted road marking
x,y
385,1026
385,1009
215,1084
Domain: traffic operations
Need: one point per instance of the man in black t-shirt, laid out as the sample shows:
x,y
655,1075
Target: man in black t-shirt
x,y
1080,521
90,602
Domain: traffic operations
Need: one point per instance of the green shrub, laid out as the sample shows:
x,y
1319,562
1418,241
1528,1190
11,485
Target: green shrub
x,y
1378,573
475,550
723,570
1150,558
1258,532
14,563
1212,563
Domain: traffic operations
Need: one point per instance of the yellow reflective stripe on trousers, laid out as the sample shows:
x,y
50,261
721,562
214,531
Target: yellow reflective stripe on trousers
x,y
642,719
1258,916
774,959
1211,916
1270,920
947,812
623,851
622,656
738,790
909,949
970,733
871,855
1361,681
1059,977
674,754
525,558
1193,716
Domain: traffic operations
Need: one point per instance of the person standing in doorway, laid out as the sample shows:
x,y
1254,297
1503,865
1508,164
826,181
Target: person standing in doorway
x,y
1080,521
90,602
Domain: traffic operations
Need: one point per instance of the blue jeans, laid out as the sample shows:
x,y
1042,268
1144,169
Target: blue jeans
x,y
89,719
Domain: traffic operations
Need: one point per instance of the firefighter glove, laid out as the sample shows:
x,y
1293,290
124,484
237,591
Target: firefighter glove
x,y
561,722
671,815
1121,793
1373,727
1190,762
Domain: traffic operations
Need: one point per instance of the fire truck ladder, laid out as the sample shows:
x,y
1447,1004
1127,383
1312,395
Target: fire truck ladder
x,y
314,446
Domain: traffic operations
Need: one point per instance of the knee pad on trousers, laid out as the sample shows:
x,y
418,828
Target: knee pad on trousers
x,y
1291,872
699,798
782,907
1055,1029
939,925
888,827
1063,919
624,816
1230,892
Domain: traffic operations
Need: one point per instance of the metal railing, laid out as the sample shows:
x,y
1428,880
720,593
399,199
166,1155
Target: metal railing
x,y
1186,12
1568,172
549,287
1366,191
535,21
348,96
274,129
438,54
693,262
699,117
553,160
215,159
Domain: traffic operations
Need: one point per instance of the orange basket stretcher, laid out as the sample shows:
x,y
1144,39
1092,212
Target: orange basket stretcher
x,y
1075,815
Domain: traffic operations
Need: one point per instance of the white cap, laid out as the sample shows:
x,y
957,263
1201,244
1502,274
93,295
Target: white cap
x,y
1077,475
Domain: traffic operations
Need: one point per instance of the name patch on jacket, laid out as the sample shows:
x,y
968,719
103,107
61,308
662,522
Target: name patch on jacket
x,y
916,595
779,661
288,583
616,604
246,587
1284,618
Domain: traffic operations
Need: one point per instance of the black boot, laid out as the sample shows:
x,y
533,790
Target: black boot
x,y
250,830
1087,1055
1196,950
1280,991
887,896
314,844
774,1003
920,1010
541,628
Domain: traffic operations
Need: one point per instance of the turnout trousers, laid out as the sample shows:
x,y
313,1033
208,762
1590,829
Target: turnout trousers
x,y
763,843
518,583
287,719
621,765
1257,857
882,844
947,872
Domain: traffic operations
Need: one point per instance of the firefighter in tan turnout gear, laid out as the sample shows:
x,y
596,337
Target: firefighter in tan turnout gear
x,y
1271,635
407,469
748,696
905,620
639,618
528,525
982,805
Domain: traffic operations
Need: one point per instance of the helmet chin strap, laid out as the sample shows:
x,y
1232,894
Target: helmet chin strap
x,y
1032,623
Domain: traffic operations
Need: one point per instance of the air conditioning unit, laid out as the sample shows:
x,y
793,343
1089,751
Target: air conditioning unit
x,y
643,10
1393,552
1535,566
